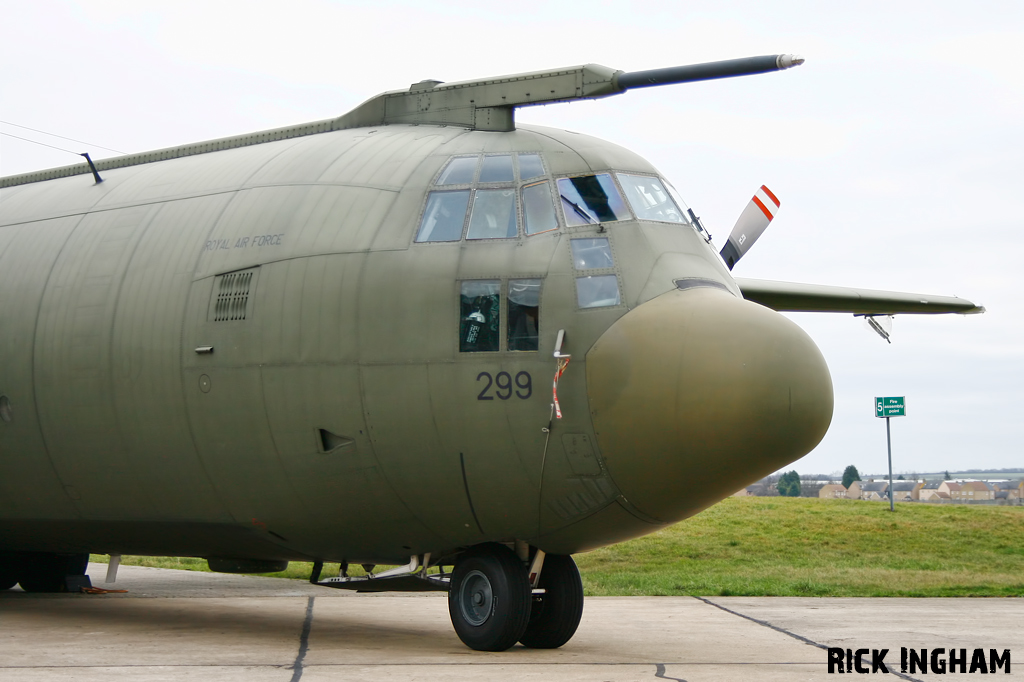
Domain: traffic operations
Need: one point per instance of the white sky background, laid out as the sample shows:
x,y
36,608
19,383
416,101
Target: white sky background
x,y
896,150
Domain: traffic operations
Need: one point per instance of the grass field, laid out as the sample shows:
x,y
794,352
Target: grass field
x,y
773,546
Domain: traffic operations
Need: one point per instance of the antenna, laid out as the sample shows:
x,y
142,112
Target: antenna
x,y
92,167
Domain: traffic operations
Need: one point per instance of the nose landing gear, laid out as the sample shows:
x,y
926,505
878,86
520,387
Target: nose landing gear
x,y
555,614
492,605
489,598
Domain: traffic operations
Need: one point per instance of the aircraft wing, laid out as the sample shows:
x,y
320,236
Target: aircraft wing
x,y
818,298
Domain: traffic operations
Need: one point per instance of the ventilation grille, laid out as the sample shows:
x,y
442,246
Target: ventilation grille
x,y
232,296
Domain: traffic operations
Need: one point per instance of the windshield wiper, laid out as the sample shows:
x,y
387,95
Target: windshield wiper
x,y
576,207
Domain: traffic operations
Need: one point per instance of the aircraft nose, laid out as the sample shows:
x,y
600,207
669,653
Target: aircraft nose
x,y
697,393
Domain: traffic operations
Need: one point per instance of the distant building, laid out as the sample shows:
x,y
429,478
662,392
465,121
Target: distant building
x,y
870,490
832,491
976,490
905,490
933,495
1014,490
951,488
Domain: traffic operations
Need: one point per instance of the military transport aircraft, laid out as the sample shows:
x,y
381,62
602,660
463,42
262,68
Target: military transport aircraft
x,y
417,335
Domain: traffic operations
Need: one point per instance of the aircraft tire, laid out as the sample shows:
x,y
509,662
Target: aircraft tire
x,y
46,572
555,615
489,598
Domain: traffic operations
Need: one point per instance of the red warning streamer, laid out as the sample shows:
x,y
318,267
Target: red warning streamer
x,y
562,364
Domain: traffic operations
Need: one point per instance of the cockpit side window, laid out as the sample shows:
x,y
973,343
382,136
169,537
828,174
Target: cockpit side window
x,y
523,314
591,199
649,199
480,318
590,254
597,291
599,288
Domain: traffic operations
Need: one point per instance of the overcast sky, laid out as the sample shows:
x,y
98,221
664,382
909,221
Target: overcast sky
x,y
896,150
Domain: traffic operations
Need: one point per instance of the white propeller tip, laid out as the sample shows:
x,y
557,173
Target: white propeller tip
x,y
786,61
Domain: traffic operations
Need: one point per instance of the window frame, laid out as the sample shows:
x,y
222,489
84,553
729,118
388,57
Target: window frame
x,y
503,311
517,185
561,213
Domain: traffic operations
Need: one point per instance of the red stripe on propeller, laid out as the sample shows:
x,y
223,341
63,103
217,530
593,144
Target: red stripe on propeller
x,y
764,209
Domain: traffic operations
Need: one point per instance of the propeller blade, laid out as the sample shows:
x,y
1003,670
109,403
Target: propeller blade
x,y
751,224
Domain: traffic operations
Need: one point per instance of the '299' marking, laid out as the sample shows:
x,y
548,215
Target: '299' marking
x,y
503,385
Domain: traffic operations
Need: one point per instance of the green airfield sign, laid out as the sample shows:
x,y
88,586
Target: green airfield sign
x,y
895,406
891,407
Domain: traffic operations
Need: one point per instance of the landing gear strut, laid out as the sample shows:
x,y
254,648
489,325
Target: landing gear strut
x,y
555,614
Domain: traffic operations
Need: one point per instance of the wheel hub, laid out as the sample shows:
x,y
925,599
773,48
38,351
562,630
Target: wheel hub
x,y
477,598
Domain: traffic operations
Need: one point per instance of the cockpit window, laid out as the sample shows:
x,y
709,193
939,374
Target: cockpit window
x,y
688,215
444,217
649,199
497,169
494,214
483,192
538,211
591,199
459,171
480,318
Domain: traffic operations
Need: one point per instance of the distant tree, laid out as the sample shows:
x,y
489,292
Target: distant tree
x,y
947,476
810,488
850,475
789,484
900,478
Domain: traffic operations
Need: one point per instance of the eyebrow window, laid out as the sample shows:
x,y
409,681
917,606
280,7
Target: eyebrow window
x,y
497,169
530,166
591,199
459,171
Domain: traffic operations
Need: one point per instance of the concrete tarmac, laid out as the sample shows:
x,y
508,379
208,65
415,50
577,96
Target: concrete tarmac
x,y
181,625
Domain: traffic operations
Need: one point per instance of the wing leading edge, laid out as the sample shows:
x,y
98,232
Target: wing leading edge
x,y
819,298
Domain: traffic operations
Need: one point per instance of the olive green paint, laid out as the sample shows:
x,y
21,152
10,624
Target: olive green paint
x,y
142,424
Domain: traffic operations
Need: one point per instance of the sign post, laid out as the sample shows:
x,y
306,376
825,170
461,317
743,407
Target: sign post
x,y
890,407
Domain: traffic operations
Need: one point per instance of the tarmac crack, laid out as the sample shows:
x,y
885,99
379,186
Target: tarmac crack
x,y
307,625
784,631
